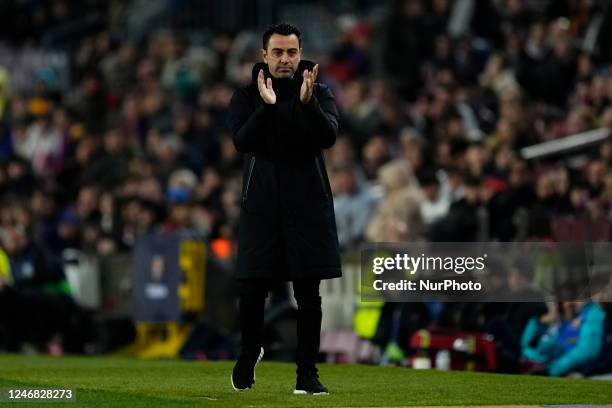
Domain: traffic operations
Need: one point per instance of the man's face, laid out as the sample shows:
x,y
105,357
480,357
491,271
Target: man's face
x,y
283,55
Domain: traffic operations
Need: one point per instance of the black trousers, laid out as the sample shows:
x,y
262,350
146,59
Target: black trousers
x,y
253,295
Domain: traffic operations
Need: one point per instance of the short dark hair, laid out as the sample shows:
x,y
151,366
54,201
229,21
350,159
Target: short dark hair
x,y
282,29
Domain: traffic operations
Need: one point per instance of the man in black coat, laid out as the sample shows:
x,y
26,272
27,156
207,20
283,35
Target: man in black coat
x,y
287,230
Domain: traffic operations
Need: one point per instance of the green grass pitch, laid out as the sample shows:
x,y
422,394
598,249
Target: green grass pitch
x,y
111,381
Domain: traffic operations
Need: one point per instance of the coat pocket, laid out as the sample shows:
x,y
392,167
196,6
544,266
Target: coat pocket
x,y
258,193
322,182
248,180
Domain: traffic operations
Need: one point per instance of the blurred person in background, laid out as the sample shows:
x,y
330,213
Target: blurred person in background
x,y
397,217
435,201
568,344
35,301
353,206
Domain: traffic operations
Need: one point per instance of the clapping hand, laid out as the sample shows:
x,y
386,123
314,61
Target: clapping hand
x,y
308,84
265,89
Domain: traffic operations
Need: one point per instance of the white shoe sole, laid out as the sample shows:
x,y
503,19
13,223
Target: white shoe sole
x,y
261,354
302,392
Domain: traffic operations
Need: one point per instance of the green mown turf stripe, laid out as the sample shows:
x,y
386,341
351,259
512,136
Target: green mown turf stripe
x,y
173,382
87,397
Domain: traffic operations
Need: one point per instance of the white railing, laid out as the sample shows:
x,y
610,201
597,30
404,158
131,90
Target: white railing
x,y
566,144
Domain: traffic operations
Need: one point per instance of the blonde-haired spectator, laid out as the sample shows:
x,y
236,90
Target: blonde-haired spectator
x,y
397,217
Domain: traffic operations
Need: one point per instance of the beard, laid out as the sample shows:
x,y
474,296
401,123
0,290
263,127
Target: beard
x,y
284,72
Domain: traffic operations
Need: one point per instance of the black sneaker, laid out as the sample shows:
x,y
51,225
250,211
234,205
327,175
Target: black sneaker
x,y
243,375
309,385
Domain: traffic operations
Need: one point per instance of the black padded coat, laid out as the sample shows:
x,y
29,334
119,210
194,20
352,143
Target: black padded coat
x,y
287,228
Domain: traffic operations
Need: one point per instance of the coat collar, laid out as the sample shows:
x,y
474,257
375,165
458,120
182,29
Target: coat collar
x,y
304,64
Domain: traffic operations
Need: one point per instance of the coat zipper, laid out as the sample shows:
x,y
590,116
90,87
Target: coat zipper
x,y
246,188
321,179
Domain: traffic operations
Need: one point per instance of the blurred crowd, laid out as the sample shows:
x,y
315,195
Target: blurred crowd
x,y
437,99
